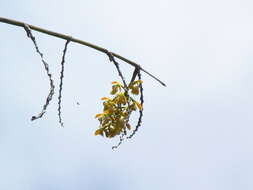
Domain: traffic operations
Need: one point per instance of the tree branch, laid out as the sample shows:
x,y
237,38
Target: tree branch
x,y
66,37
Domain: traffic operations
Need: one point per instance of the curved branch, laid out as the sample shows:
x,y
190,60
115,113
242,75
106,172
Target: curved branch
x,y
66,37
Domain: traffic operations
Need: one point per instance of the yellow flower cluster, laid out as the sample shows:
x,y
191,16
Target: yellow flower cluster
x,y
117,110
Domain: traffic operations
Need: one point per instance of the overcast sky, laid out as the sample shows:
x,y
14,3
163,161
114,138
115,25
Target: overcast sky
x,y
196,132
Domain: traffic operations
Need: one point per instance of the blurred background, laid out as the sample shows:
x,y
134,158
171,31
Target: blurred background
x,y
196,132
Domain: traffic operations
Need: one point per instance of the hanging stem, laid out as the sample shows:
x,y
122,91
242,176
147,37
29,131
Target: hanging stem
x,y
66,37
61,82
140,111
46,66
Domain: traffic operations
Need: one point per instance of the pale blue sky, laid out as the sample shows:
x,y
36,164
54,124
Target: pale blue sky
x,y
196,133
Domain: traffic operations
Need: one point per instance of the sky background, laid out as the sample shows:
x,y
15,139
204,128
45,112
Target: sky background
x,y
196,133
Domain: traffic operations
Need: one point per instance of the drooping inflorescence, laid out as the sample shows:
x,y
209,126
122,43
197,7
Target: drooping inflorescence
x,y
114,120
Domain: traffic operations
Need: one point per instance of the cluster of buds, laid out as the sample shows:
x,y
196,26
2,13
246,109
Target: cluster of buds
x,y
114,120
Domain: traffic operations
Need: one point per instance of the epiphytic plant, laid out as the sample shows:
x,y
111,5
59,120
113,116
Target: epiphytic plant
x,y
114,119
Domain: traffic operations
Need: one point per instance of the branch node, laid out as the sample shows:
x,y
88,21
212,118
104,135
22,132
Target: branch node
x,y
27,29
109,54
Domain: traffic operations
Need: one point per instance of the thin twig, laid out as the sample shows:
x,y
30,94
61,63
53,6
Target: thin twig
x,y
112,59
66,37
61,82
51,92
121,139
140,111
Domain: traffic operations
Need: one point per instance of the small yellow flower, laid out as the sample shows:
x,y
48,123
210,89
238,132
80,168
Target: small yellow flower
x,y
99,132
139,81
135,83
105,98
132,107
134,87
128,126
115,89
115,83
120,99
99,115
135,90
120,124
108,107
138,105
